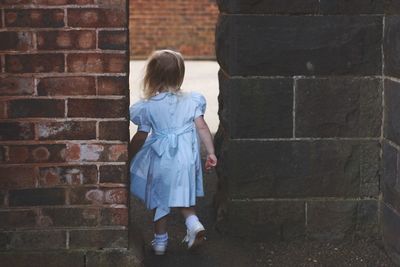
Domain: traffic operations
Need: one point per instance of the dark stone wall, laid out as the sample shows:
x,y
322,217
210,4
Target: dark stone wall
x,y
391,143
301,116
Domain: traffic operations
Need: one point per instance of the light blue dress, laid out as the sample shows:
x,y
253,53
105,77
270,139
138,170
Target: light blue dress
x,y
167,172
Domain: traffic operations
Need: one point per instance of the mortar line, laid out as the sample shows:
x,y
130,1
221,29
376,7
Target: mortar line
x,y
294,106
306,213
382,101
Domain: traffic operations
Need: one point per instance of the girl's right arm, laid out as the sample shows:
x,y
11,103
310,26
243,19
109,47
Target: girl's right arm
x,y
206,138
136,144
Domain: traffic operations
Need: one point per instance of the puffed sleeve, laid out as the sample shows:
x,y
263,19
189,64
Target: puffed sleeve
x,y
200,104
139,116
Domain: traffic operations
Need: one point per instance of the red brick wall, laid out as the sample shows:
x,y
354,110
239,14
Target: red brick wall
x,y
63,124
187,26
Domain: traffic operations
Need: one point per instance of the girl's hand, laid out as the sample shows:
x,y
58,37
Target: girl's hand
x,y
211,161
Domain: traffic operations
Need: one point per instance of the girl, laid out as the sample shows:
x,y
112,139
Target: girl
x,y
166,168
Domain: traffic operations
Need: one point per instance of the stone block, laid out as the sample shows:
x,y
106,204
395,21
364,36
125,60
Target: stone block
x,y
392,111
268,7
37,197
37,240
98,239
391,176
351,7
67,130
55,86
314,45
16,86
34,18
41,259
97,17
11,219
277,220
331,220
21,177
392,7
10,131
29,108
16,41
391,232
257,108
113,174
368,219
298,169
97,63
338,107
66,40
67,175
391,44
114,130
34,63
113,40
97,108
113,85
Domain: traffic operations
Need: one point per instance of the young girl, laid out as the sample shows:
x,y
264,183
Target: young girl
x,y
166,168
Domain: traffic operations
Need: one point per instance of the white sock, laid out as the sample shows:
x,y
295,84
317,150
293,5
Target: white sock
x,y
191,220
161,238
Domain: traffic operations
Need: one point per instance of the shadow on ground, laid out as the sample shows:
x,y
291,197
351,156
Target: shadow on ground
x,y
224,251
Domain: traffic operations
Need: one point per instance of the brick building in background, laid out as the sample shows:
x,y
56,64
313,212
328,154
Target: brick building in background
x,y
187,26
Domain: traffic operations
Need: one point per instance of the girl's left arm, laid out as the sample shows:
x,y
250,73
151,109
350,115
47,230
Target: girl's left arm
x,y
136,144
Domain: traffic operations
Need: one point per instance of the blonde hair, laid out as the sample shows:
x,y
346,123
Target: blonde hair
x,y
164,72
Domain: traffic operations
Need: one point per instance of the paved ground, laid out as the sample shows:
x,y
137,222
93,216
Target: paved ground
x,y
201,76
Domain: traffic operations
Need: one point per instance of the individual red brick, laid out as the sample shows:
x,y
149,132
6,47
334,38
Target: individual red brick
x,y
35,63
66,86
64,2
114,130
16,86
2,198
14,2
92,17
96,152
35,153
115,40
21,177
68,130
16,131
114,216
67,175
97,108
97,63
116,196
98,239
37,240
113,86
71,217
34,18
86,195
113,174
56,40
30,108
16,41
37,197
12,219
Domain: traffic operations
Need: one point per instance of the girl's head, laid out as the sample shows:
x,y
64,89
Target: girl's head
x,y
164,73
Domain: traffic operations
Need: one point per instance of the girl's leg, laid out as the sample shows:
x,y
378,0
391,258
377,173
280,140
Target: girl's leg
x,y
160,226
186,212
